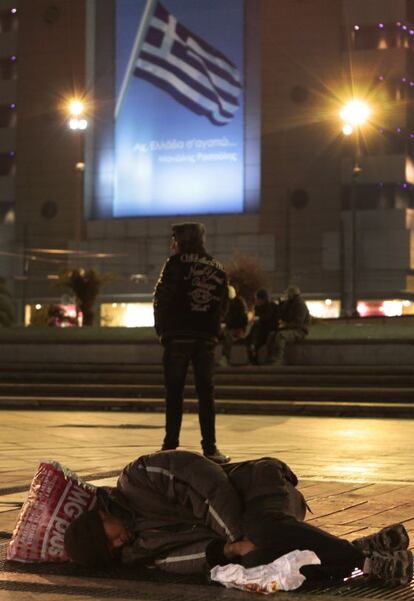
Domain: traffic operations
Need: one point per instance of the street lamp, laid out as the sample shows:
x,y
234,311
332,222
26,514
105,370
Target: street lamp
x,y
78,123
76,111
354,115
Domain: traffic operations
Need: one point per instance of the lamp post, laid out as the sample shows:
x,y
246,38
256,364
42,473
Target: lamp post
x,y
354,115
78,124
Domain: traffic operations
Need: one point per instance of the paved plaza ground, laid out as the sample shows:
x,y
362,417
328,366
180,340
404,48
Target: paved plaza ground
x,y
356,473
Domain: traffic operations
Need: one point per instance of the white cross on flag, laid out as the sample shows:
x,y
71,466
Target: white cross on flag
x,y
182,64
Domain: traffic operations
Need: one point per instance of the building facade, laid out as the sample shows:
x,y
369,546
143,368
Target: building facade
x,y
317,226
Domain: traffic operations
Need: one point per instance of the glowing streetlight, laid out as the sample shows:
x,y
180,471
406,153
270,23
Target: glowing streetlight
x,y
76,107
76,111
347,129
77,122
354,115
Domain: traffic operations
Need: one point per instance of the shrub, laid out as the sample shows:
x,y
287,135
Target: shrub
x,y
246,275
86,285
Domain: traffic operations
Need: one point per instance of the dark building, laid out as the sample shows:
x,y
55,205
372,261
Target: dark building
x,y
304,60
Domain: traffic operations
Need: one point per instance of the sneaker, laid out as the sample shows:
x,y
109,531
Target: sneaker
x,y
393,568
389,539
217,457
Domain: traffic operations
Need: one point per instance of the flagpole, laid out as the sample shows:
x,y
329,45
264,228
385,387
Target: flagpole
x,y
139,39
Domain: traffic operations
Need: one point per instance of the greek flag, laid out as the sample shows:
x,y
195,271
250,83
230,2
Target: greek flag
x,y
182,64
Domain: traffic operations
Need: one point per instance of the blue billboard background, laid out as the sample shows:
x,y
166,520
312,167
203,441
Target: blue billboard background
x,y
168,160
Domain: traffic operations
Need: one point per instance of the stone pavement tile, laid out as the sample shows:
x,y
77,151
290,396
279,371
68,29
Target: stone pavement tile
x,y
30,587
352,480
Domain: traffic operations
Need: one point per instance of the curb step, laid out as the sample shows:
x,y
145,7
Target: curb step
x,y
281,407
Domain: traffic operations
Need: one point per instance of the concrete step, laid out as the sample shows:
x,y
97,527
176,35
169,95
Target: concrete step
x,y
41,367
236,378
253,393
281,407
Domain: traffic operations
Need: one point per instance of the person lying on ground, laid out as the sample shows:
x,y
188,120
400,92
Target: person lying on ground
x,y
182,513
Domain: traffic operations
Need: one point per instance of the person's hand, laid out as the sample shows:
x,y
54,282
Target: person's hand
x,y
239,548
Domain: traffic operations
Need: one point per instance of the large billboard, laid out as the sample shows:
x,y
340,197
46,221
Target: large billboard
x,y
179,123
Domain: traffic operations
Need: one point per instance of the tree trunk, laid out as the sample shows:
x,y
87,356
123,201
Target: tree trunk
x,y
88,315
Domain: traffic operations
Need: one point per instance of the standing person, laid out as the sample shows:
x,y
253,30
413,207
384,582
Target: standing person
x,y
235,324
293,326
190,301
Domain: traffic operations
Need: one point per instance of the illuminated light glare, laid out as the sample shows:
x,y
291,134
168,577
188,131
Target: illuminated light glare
x,y
13,11
406,303
73,124
38,307
355,112
83,124
13,58
381,77
13,105
404,27
130,315
139,315
76,108
347,129
392,308
353,469
356,27
353,433
381,25
362,309
323,309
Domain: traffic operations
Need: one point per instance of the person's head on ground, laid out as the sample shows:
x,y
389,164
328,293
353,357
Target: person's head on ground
x,y
188,238
292,291
92,538
262,296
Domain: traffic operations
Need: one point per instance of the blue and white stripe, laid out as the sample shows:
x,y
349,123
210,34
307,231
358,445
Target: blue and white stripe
x,y
197,75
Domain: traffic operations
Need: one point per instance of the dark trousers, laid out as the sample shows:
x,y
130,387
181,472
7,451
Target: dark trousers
x,y
177,356
275,534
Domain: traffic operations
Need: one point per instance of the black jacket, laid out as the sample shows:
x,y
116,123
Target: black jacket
x,y
183,507
268,315
237,318
295,314
190,298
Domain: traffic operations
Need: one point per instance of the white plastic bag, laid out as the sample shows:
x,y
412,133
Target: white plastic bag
x,y
281,575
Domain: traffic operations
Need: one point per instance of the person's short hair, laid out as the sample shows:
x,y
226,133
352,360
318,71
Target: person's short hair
x,y
190,236
85,540
263,294
292,291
